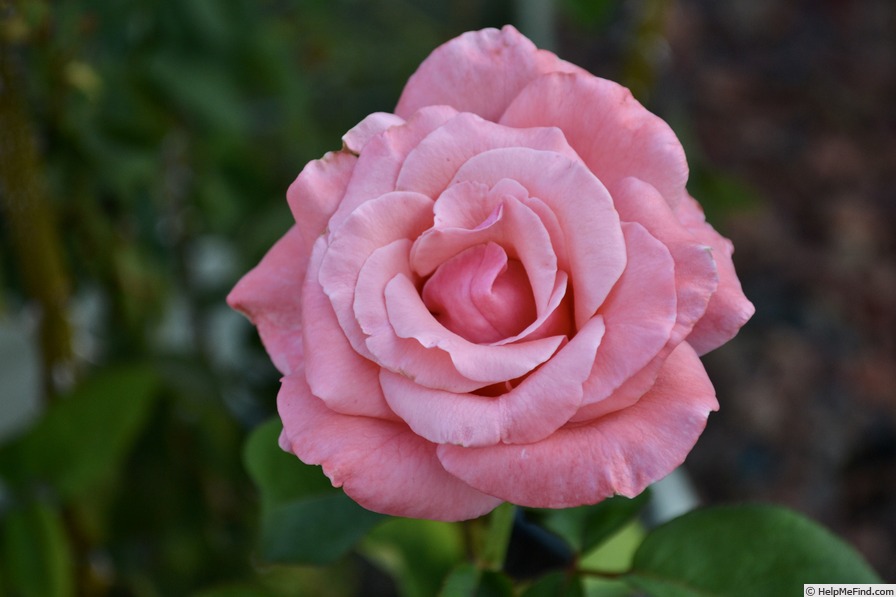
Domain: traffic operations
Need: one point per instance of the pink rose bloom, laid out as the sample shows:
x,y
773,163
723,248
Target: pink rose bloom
x,y
498,293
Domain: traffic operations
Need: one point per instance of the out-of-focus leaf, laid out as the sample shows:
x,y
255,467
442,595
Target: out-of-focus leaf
x,y
314,529
469,581
36,555
586,527
83,438
235,590
304,520
742,550
556,584
418,554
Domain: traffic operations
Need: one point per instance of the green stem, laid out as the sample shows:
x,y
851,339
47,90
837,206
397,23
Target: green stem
x,y
31,219
497,537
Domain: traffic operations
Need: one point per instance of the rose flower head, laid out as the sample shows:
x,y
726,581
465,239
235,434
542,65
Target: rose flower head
x,y
497,293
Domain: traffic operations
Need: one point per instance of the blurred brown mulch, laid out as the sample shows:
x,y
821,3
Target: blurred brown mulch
x,y
798,99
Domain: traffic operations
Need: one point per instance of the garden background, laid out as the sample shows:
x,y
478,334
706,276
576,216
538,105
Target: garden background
x,y
145,149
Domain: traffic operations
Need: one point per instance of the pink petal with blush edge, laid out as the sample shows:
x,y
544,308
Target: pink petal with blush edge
x,y
270,296
530,412
316,193
382,465
613,133
728,309
479,72
372,125
406,356
347,382
381,158
377,222
621,453
639,315
431,165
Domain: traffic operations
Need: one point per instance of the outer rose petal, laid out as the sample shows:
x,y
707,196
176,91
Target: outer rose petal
x,y
479,72
381,159
347,382
639,314
381,465
728,308
622,452
270,296
614,134
367,129
317,191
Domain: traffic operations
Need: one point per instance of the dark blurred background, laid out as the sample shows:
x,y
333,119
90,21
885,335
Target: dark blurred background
x,y
145,149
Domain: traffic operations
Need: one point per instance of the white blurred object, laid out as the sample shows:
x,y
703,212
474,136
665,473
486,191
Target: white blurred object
x,y
671,497
20,377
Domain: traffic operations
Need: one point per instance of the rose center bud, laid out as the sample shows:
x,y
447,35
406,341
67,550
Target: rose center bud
x,y
481,295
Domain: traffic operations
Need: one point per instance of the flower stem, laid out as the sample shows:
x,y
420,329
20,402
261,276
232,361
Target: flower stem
x,y
497,537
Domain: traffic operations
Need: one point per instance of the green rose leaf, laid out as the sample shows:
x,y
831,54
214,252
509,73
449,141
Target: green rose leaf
x,y
82,440
556,584
469,581
742,550
36,554
304,519
587,527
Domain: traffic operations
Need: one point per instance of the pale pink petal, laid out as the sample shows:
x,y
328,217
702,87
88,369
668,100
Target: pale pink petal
x,y
613,133
480,295
405,356
270,295
431,165
728,309
315,194
639,315
382,465
583,208
367,129
484,363
473,205
377,222
377,167
621,453
531,411
479,72
512,225
347,382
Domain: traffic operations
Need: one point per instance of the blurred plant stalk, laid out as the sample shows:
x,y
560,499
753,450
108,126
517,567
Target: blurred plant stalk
x,y
30,218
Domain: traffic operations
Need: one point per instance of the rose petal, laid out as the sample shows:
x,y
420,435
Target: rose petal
x,y
430,166
728,309
381,158
380,464
375,223
613,133
480,295
531,411
484,363
620,453
315,194
514,227
639,314
479,72
367,129
696,277
347,382
270,296
402,355
583,208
